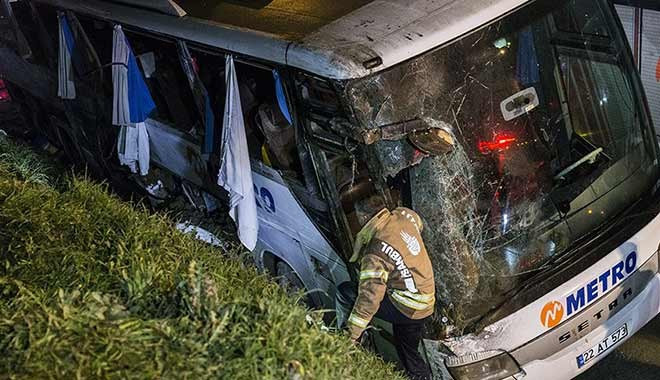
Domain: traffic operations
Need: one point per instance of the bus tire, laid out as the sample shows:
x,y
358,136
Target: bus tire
x,y
289,280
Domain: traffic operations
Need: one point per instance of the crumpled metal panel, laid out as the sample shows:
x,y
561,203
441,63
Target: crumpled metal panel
x,y
403,93
392,30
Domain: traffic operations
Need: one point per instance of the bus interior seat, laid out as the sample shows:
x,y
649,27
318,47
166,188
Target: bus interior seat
x,y
279,136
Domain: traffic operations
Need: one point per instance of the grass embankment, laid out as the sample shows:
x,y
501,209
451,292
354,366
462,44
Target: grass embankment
x,y
93,288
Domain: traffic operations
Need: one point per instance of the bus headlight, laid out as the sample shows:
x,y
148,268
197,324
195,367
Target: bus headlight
x,y
483,366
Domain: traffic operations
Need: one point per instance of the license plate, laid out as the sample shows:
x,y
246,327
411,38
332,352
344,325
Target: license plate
x,y
603,346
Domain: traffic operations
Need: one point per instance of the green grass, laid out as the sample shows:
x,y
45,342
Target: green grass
x,y
25,164
91,287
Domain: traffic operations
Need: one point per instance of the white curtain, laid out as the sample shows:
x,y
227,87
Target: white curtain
x,y
235,172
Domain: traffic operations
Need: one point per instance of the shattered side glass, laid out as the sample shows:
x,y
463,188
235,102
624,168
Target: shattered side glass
x,y
397,155
550,144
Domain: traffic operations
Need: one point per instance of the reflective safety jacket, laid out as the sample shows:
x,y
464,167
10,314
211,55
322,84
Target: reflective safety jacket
x,y
394,263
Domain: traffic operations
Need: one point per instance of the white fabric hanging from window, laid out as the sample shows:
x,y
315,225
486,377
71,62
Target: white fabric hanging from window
x,y
132,104
235,172
133,148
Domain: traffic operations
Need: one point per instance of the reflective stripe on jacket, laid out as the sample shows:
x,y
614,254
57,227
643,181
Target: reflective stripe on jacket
x,y
394,262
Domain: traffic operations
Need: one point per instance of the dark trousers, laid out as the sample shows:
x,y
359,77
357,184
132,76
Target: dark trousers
x,y
407,337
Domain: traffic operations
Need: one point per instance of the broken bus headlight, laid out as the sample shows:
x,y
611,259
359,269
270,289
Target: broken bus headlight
x,y
493,365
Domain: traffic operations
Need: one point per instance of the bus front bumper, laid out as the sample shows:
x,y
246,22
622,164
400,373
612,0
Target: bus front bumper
x,y
603,340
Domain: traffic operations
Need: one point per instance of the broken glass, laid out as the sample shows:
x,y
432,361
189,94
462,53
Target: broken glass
x,y
549,142
395,156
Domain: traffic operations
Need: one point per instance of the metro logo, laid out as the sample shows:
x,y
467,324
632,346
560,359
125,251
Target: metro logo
x,y
552,312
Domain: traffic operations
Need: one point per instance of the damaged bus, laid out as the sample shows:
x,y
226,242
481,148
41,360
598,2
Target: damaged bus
x,y
542,221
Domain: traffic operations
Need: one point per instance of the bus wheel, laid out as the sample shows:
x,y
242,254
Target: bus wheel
x,y
287,278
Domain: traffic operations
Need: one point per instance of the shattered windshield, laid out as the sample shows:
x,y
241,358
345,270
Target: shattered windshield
x,y
552,144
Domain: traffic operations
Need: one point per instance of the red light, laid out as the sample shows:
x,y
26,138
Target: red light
x,y
195,65
499,143
4,95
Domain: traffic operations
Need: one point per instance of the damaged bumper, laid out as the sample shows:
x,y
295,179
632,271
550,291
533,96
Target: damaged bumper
x,y
573,359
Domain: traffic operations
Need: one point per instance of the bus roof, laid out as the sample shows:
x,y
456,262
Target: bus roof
x,y
343,39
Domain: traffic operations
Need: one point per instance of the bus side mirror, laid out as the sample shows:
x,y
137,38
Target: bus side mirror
x,y
433,141
433,137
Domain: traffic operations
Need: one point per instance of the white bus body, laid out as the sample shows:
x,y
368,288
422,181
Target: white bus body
x,y
554,190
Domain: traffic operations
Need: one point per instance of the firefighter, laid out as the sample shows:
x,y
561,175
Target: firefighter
x,y
396,283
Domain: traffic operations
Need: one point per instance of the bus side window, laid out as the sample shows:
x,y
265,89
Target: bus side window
x,y
167,82
30,31
48,20
210,68
318,95
99,34
271,138
44,26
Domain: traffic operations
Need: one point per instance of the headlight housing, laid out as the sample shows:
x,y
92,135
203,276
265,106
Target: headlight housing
x,y
493,365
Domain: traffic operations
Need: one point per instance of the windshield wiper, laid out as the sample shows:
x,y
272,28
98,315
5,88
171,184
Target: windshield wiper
x,y
590,158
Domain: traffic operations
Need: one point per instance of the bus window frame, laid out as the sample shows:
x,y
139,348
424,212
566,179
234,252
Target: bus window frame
x,y
22,44
285,75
